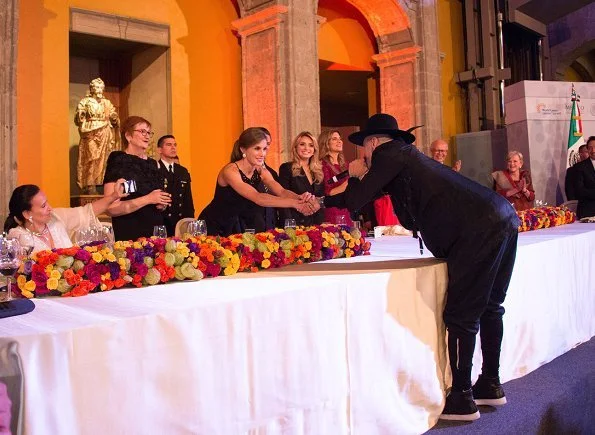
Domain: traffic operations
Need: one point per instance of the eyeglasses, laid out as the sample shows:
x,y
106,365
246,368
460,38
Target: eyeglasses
x,y
146,132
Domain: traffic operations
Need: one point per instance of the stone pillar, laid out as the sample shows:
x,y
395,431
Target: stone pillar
x,y
280,73
9,14
397,85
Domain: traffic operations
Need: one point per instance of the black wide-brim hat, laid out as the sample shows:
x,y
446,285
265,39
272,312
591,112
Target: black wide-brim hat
x,y
381,123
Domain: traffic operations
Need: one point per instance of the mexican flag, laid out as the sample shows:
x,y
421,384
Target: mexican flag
x,y
575,133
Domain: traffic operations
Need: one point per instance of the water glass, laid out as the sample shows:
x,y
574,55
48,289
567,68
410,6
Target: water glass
x,y
27,243
289,223
250,231
160,231
201,227
82,237
357,225
340,220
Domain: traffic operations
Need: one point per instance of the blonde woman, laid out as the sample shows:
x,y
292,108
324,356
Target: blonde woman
x,y
333,164
303,174
514,183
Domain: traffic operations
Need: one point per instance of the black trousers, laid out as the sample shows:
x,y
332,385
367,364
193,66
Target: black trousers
x,y
480,265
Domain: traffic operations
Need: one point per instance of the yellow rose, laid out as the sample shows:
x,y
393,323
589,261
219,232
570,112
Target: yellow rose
x,y
27,294
55,274
103,287
48,269
21,280
266,254
308,245
52,284
110,257
306,255
97,257
228,271
91,248
266,264
325,244
30,286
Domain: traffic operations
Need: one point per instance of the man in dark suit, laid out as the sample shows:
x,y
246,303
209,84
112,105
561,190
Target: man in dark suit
x,y
176,181
570,179
584,176
473,228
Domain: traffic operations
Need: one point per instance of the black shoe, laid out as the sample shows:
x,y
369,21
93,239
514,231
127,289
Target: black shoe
x,y
488,391
460,406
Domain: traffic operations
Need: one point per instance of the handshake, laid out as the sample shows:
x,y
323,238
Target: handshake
x,y
308,204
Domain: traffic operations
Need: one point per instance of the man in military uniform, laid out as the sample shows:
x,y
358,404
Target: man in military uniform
x,y
176,181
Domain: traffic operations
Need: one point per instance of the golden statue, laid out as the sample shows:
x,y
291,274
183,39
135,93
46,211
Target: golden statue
x,y
99,128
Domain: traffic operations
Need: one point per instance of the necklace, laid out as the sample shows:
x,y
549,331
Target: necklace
x,y
41,234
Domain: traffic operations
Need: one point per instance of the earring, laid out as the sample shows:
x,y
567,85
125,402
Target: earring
x,y
30,219
243,155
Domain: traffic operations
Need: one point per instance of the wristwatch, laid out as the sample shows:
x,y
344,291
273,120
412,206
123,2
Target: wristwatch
x,y
320,200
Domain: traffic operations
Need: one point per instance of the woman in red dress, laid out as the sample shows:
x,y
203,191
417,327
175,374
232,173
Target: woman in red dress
x,y
333,163
514,183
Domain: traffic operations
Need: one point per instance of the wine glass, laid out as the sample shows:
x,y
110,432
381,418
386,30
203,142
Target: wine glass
x,y
289,223
10,259
160,231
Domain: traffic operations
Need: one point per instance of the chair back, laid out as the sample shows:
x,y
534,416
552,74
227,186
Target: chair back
x,y
570,205
182,226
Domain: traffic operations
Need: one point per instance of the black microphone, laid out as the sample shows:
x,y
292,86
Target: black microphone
x,y
339,176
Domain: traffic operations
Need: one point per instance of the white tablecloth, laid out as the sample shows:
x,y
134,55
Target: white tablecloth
x,y
347,346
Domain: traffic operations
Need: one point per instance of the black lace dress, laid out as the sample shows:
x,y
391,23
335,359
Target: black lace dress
x,y
141,222
228,209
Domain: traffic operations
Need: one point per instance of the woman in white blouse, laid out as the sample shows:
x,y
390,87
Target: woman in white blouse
x,y
30,215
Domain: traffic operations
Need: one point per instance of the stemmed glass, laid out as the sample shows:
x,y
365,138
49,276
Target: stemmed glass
x,y
10,260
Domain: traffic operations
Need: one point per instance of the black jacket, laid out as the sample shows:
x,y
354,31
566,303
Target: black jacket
x,y
584,183
429,197
178,185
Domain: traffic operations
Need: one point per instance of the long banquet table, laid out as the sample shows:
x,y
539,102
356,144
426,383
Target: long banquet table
x,y
346,346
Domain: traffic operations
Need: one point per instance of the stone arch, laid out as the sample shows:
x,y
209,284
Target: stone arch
x,y
566,58
390,26
570,37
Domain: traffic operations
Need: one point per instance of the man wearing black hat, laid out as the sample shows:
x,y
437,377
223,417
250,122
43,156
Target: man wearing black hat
x,y
473,228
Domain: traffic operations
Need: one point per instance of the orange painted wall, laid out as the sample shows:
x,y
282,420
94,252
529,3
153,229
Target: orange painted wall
x,y
343,39
205,86
450,31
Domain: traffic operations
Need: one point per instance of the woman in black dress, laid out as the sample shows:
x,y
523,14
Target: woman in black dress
x,y
137,214
236,196
303,174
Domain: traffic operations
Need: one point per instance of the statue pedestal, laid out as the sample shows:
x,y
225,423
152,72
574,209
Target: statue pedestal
x,y
81,200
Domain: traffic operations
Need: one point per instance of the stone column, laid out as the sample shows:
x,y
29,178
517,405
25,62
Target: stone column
x,y
397,85
280,73
9,14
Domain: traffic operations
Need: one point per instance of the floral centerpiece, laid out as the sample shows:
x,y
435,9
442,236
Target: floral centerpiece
x,y
78,271
544,217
